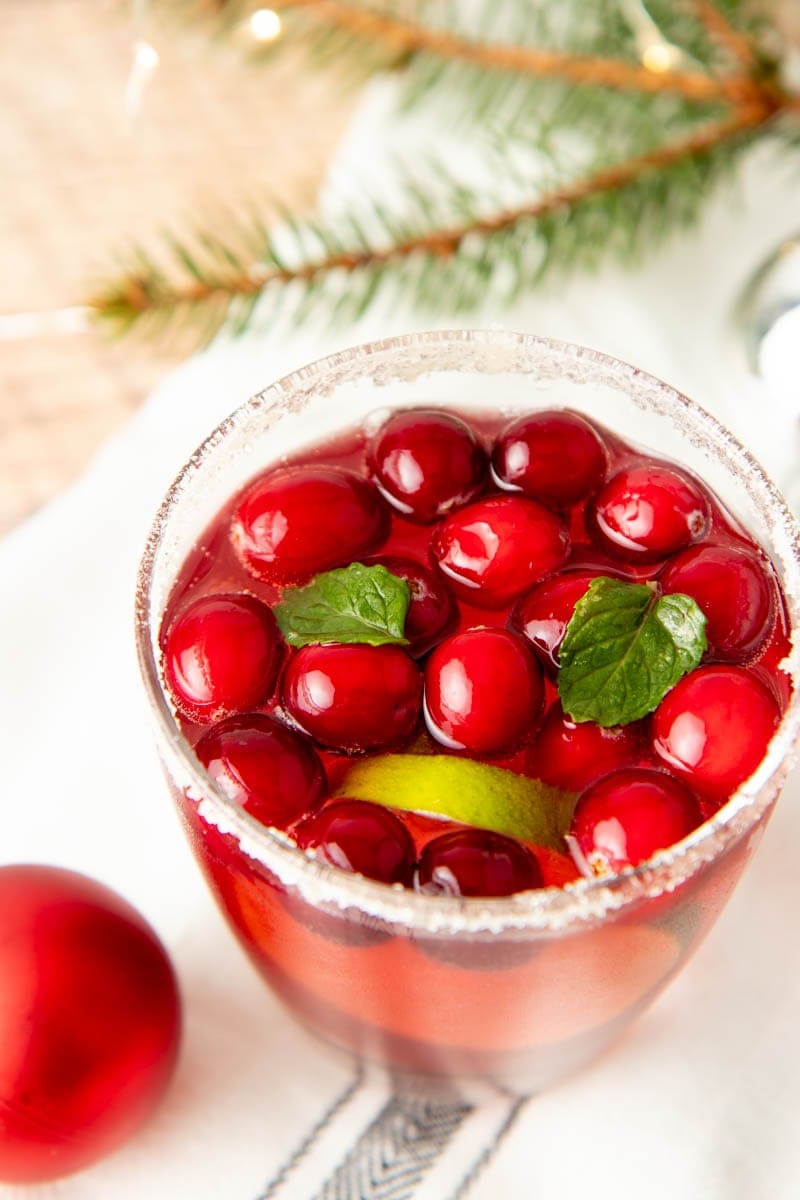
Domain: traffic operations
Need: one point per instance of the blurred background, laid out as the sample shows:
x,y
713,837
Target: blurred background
x,y
283,178
84,165
159,123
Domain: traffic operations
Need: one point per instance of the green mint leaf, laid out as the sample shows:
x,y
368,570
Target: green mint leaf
x,y
624,648
348,605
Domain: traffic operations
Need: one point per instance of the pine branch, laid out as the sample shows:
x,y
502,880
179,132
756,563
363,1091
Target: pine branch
x,y
721,30
216,278
405,37
617,30
510,103
591,127
371,37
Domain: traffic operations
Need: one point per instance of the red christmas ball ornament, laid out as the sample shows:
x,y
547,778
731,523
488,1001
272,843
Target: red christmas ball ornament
x,y
89,1022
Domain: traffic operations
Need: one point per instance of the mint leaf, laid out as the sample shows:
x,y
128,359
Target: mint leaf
x,y
624,648
350,604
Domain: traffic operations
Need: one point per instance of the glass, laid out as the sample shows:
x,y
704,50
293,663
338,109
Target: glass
x,y
520,990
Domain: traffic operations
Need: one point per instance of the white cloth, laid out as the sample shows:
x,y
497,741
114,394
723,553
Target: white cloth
x,y
699,1100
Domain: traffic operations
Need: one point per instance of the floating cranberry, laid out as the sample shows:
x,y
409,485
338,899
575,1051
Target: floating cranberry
x,y
361,837
354,697
494,550
89,1022
543,615
714,728
293,523
426,462
483,691
475,862
733,590
271,771
571,755
431,610
648,511
221,656
629,815
556,457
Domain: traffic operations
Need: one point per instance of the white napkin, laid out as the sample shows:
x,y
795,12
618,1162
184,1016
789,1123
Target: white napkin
x,y
699,1100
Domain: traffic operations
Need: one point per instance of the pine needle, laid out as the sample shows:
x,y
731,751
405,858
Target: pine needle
x,y
590,154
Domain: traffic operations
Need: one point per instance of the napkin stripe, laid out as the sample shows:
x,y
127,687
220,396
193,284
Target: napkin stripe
x,y
397,1149
405,1140
482,1161
304,1148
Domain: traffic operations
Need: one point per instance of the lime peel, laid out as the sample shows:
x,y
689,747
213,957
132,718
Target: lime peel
x,y
472,793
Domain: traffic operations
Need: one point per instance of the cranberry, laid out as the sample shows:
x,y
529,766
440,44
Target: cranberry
x,y
293,523
271,771
353,697
495,549
648,511
629,815
733,590
483,691
221,656
714,728
431,610
361,837
571,755
475,862
543,615
89,1023
556,457
426,462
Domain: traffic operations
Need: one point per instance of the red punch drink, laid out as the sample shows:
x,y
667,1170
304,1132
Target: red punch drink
x,y
471,712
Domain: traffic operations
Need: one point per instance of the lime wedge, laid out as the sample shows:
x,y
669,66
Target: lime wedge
x,y
466,791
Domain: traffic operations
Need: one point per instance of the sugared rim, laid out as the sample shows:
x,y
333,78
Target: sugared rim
x,y
552,910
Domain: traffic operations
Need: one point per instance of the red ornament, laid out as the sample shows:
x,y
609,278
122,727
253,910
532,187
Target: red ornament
x,y
89,1022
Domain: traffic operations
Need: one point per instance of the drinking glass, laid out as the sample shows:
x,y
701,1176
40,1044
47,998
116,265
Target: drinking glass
x,y
520,990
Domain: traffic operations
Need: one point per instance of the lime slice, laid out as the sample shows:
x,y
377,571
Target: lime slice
x,y
469,792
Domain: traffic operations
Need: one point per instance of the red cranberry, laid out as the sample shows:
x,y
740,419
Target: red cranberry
x,y
426,462
714,728
475,862
543,615
293,523
271,771
647,512
629,815
733,590
483,691
571,755
556,457
353,697
221,656
361,837
431,610
494,550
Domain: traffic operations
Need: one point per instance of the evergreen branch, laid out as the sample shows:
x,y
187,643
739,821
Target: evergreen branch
x,y
218,284
720,30
409,37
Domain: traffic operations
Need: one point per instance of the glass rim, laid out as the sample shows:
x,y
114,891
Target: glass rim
x,y
585,902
